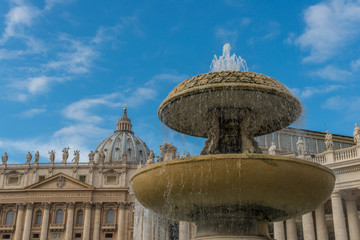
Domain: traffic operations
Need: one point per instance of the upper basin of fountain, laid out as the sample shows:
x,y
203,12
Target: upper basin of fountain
x,y
271,104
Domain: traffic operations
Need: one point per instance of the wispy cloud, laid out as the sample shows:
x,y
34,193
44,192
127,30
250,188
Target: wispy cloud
x,y
308,92
77,60
31,112
333,73
330,25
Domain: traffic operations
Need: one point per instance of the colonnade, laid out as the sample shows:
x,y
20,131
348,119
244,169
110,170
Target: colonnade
x,y
314,223
23,227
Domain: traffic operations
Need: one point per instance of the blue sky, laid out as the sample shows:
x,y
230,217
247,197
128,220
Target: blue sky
x,y
68,67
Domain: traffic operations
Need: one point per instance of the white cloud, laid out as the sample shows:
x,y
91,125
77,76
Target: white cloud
x,y
167,78
308,92
333,73
18,17
355,65
330,25
77,61
226,35
31,112
81,110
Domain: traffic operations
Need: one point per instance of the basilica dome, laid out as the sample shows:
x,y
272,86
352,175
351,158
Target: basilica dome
x,y
123,146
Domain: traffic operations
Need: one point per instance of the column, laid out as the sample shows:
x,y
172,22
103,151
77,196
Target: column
x,y
121,221
184,230
45,221
353,219
87,221
27,224
69,221
96,235
279,230
338,217
19,222
308,226
320,220
291,233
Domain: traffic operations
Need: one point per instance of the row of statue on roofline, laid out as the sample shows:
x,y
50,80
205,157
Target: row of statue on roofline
x,y
65,156
329,144
168,151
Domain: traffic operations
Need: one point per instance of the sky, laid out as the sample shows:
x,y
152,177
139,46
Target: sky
x,y
68,67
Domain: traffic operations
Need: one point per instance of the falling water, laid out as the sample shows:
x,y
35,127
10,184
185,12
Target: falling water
x,y
227,62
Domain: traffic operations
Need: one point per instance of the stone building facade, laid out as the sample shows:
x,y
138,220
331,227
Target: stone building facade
x,y
73,200
92,200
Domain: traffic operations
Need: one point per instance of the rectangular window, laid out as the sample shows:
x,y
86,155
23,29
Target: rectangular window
x,y
36,235
6,236
111,179
41,178
77,235
38,219
13,180
82,178
108,235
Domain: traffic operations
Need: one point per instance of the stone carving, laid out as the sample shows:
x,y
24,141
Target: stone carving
x,y
230,134
76,156
28,158
60,182
300,147
329,141
150,158
4,158
272,149
357,134
37,156
168,152
91,157
52,156
101,157
123,158
65,154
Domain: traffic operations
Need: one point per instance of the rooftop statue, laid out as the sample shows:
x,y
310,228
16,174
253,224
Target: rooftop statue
x,y
28,158
4,158
65,154
76,156
52,156
357,134
272,149
37,157
91,157
329,141
168,151
300,146
151,157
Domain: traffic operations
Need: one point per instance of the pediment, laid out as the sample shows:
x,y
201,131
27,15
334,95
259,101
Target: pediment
x,y
60,181
113,172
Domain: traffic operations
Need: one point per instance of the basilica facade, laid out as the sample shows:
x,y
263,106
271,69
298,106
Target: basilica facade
x,y
73,200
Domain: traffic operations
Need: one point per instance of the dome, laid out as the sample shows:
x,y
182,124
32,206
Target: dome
x,y
123,145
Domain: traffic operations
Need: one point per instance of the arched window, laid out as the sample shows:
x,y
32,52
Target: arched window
x,y
9,218
79,217
38,218
110,216
59,216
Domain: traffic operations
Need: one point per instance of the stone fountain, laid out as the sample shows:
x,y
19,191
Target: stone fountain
x,y
231,190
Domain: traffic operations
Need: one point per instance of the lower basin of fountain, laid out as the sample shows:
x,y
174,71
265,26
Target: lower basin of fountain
x,y
233,196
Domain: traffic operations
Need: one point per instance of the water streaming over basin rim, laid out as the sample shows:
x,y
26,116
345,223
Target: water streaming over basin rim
x,y
277,187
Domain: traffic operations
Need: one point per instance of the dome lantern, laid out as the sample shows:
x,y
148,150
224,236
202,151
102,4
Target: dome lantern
x,y
124,123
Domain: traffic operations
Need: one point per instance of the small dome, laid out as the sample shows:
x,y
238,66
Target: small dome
x,y
123,144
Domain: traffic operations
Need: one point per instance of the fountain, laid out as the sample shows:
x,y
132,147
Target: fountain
x,y
231,190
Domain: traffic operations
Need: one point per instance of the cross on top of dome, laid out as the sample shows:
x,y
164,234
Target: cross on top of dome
x,y
124,123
